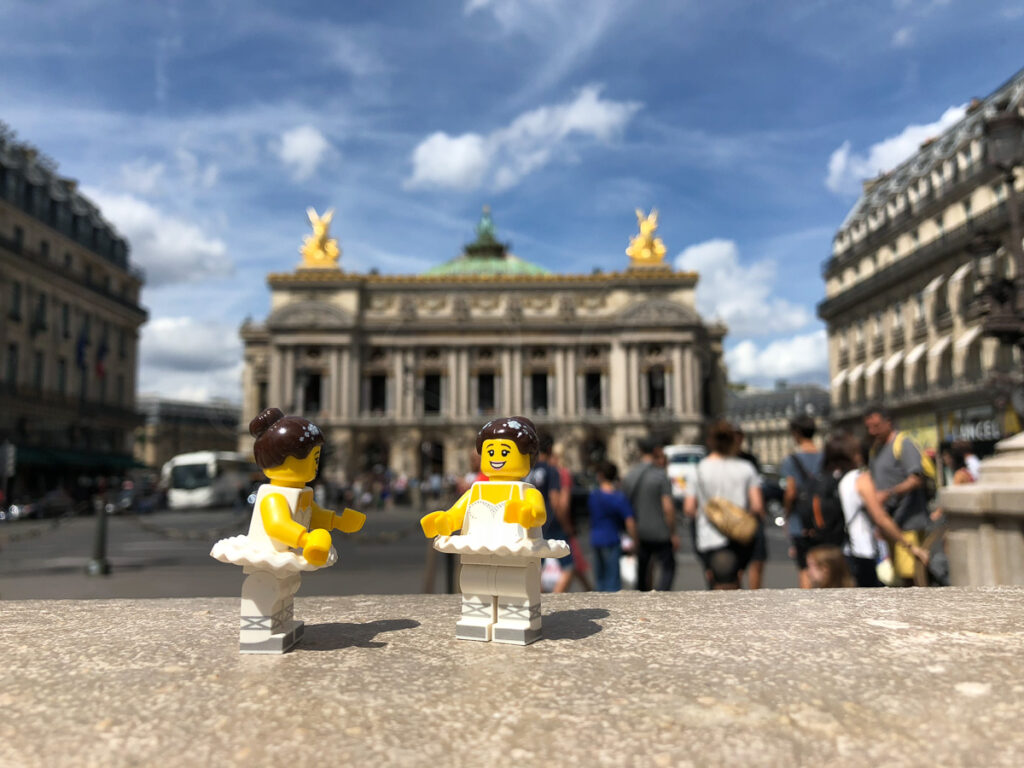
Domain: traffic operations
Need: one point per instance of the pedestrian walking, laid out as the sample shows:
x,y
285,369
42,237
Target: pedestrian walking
x,y
843,465
798,468
649,492
610,514
759,546
725,479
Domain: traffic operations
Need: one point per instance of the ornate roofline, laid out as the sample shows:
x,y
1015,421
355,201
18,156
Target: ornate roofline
x,y
310,278
938,150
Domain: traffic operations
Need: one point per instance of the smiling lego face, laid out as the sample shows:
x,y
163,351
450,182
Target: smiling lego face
x,y
296,471
500,459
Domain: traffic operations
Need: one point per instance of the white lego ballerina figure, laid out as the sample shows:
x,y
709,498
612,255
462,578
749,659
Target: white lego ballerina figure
x,y
285,519
500,540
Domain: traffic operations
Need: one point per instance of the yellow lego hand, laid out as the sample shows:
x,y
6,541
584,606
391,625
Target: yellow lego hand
x,y
521,512
349,521
317,546
437,523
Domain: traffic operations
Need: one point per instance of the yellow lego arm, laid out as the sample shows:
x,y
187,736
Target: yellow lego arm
x,y
278,522
528,512
349,521
444,522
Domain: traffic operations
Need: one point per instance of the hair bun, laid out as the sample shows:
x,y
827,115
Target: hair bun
x,y
265,421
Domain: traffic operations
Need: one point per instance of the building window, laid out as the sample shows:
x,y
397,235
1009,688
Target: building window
x,y
656,400
38,369
39,322
62,375
919,305
19,239
432,393
261,396
67,260
859,332
539,392
878,324
967,207
311,391
940,226
65,320
592,392
378,394
122,343
120,388
12,365
485,395
916,237
15,312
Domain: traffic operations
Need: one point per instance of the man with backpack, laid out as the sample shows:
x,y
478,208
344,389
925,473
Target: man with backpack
x,y
798,470
902,475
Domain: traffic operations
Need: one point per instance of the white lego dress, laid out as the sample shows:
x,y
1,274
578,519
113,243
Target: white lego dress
x,y
500,576
273,571
485,532
257,550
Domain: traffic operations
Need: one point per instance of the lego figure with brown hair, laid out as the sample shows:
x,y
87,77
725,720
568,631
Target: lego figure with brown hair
x,y
499,523
289,532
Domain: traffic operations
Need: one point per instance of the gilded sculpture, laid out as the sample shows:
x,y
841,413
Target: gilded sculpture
x,y
645,248
319,250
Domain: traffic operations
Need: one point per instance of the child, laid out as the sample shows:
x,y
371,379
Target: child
x,y
827,569
609,514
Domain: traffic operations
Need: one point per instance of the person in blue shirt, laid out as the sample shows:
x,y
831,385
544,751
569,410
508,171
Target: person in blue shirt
x,y
798,469
610,512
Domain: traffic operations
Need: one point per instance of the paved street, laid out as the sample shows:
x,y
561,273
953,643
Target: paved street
x,y
167,555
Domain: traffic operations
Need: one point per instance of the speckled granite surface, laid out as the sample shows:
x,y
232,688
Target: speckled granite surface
x,y
848,677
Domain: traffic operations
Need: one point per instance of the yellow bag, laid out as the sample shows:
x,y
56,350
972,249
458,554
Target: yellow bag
x,y
733,521
903,560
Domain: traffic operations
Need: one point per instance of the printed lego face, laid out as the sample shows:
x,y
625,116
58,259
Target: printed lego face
x,y
295,470
501,459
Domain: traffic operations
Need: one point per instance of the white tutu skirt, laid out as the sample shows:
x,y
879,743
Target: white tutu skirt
x,y
239,550
475,545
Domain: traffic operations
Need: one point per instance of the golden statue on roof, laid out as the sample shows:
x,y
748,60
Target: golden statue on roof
x,y
645,249
319,250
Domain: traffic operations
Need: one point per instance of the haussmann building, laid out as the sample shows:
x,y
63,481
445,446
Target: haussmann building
x,y
900,298
401,371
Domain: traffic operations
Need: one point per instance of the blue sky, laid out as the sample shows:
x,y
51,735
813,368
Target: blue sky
x,y
205,129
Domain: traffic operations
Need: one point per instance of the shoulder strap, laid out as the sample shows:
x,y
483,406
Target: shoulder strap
x,y
800,468
897,444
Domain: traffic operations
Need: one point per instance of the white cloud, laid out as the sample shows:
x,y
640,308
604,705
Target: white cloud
x,y
142,177
847,169
503,157
302,149
170,249
190,359
903,37
193,172
739,294
801,356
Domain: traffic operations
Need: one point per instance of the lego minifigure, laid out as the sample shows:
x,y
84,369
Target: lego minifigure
x,y
285,520
500,540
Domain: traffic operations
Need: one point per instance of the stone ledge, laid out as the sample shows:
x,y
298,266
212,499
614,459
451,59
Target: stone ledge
x,y
851,677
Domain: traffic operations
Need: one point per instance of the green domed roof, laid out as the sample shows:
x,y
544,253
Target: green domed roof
x,y
486,256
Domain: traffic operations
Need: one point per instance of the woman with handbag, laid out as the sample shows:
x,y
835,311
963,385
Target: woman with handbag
x,y
726,504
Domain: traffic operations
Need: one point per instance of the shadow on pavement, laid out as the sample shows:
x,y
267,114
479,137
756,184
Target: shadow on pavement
x,y
573,625
335,635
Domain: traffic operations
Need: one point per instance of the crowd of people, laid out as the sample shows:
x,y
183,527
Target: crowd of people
x,y
858,511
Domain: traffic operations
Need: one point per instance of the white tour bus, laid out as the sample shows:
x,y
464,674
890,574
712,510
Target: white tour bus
x,y
206,479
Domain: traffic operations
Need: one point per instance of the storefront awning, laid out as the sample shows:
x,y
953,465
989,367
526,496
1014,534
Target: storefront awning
x,y
893,361
915,354
838,379
939,347
874,367
856,372
968,338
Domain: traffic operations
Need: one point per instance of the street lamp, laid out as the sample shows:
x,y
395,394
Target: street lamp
x,y
1004,310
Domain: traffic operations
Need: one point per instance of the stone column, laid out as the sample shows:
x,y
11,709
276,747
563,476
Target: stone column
x,y
450,408
572,408
633,379
557,408
288,401
517,380
618,385
985,542
334,383
397,383
505,402
692,382
678,406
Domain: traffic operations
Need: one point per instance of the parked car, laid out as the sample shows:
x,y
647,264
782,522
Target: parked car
x,y
682,467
